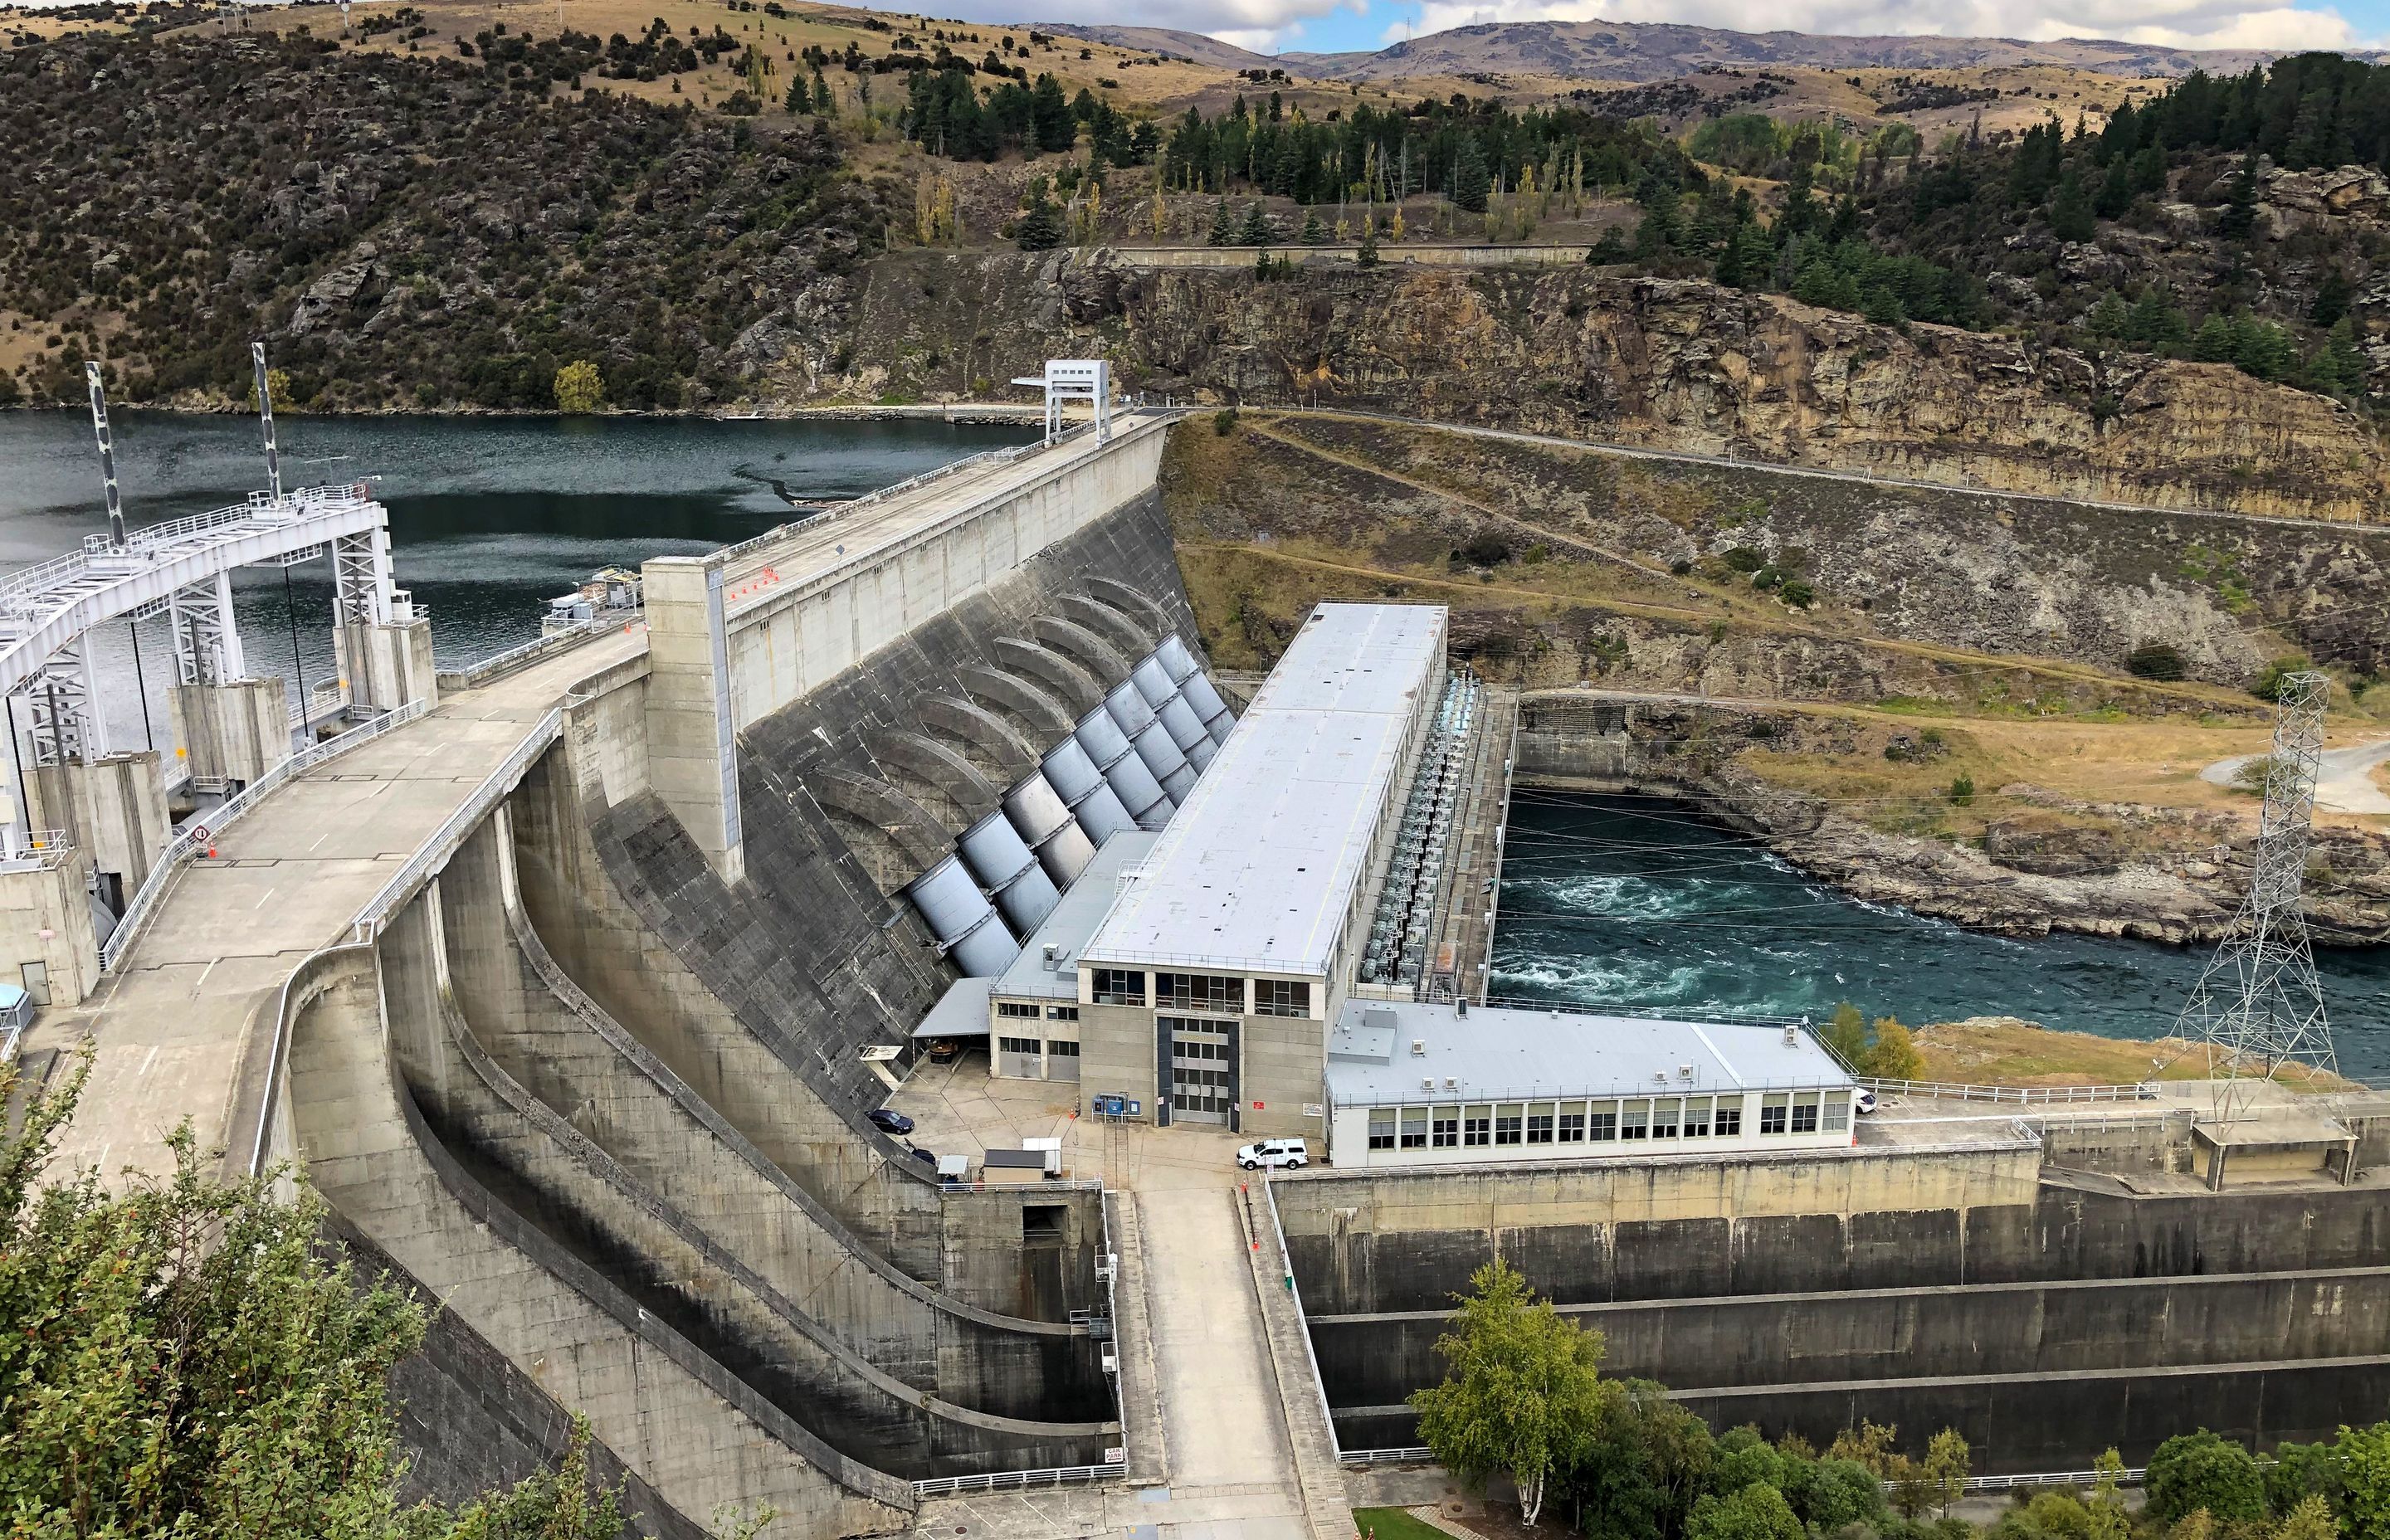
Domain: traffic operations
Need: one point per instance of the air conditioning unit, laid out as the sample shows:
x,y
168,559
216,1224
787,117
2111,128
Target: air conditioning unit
x,y
1427,1082
1419,1047
1684,1071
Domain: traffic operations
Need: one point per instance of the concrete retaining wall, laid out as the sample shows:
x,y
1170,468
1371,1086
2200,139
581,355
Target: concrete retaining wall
x,y
538,1165
1988,1328
2028,1422
583,1067
704,1440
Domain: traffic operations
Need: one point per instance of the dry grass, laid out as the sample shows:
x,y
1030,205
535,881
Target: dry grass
x,y
2003,1050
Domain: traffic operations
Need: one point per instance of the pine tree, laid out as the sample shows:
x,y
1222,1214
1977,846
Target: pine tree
x,y
2238,217
1471,180
2069,212
1224,232
1256,230
1367,255
1314,232
1040,227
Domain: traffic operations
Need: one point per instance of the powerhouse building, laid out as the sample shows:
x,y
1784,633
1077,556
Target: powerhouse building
x,y
1440,1085
1205,993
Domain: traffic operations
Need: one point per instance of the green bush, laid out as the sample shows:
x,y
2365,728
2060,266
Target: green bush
x,y
1962,789
2200,1471
1744,558
1223,421
2156,661
2267,685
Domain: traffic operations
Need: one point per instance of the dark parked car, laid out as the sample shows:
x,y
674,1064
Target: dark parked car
x,y
927,1156
889,1121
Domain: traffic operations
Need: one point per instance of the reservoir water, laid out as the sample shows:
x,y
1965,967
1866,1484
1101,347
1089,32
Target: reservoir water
x,y
490,517
1605,900
1639,901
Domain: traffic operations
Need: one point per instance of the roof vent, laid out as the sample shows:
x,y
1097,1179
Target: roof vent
x,y
1684,1071
1419,1047
1051,951
1659,1077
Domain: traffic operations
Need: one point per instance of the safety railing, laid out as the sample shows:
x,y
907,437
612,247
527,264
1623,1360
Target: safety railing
x,y
198,834
1018,1481
911,483
1294,1293
544,645
1416,1454
442,843
2009,1096
45,848
1048,1184
328,698
1420,1453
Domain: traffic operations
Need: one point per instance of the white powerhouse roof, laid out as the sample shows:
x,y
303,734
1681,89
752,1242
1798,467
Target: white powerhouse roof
x,y
1257,870
1491,1054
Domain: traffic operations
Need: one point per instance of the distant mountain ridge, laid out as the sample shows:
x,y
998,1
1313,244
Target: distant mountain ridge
x,y
1656,51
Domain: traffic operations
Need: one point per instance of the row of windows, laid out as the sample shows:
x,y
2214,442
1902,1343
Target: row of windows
x,y
1023,1011
1060,1046
1125,986
1625,1120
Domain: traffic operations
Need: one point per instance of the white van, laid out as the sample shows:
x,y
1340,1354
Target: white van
x,y
1276,1154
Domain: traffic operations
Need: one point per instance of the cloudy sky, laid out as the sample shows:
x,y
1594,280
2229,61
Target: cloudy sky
x,y
1267,25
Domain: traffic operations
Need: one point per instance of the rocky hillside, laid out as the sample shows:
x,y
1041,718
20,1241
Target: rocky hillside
x,y
407,233
1674,363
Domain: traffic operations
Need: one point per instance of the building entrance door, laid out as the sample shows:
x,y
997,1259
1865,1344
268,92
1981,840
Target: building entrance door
x,y
1201,1058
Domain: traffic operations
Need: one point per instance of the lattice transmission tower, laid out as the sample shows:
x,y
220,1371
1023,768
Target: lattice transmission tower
x,y
2257,1004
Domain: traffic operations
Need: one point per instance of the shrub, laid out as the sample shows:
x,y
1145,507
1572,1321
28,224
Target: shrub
x,y
2156,661
2267,685
1223,421
1797,593
1962,789
1486,548
1744,558
2200,1471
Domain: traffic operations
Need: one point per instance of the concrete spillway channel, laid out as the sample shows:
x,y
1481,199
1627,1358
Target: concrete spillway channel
x,y
703,1438
693,1231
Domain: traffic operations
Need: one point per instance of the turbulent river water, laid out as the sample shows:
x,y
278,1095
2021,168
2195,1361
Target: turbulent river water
x,y
1638,900
1604,900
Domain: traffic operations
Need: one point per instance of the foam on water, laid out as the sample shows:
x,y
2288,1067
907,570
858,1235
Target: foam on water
x,y
1636,903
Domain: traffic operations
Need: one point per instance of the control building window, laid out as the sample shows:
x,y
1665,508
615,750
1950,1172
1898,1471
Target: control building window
x,y
1573,1124
1664,1118
1061,1013
1382,1128
1477,1126
1727,1124
1539,1123
1014,1010
1018,1044
1771,1113
1636,1122
1838,1112
1697,1117
1119,986
1445,1124
1804,1112
1414,1128
1507,1122
1200,992
1062,1046
1605,1122
1281,997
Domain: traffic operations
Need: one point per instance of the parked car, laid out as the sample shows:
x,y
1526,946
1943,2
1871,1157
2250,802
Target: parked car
x,y
944,1050
1865,1101
929,1157
889,1120
1276,1154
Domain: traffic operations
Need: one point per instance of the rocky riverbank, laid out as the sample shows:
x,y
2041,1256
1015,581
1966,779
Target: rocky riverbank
x,y
2022,861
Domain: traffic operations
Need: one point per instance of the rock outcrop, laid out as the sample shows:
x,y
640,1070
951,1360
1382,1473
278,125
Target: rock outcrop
x,y
1671,363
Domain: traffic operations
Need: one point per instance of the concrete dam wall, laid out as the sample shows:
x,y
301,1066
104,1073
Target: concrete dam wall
x,y
598,1082
2045,1316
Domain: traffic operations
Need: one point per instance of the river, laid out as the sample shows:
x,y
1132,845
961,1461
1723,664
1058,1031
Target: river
x,y
1639,901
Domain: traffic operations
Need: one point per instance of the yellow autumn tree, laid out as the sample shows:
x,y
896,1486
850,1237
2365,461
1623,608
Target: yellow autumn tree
x,y
579,386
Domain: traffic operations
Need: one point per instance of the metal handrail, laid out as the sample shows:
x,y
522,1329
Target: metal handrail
x,y
45,850
2133,1475
1294,1293
563,640
215,820
435,850
2016,1096
935,473
19,585
1013,1480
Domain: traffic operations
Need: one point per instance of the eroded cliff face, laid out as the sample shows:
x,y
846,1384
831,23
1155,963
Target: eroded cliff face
x,y
1670,364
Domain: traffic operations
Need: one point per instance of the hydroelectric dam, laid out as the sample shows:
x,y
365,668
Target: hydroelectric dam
x,y
607,990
